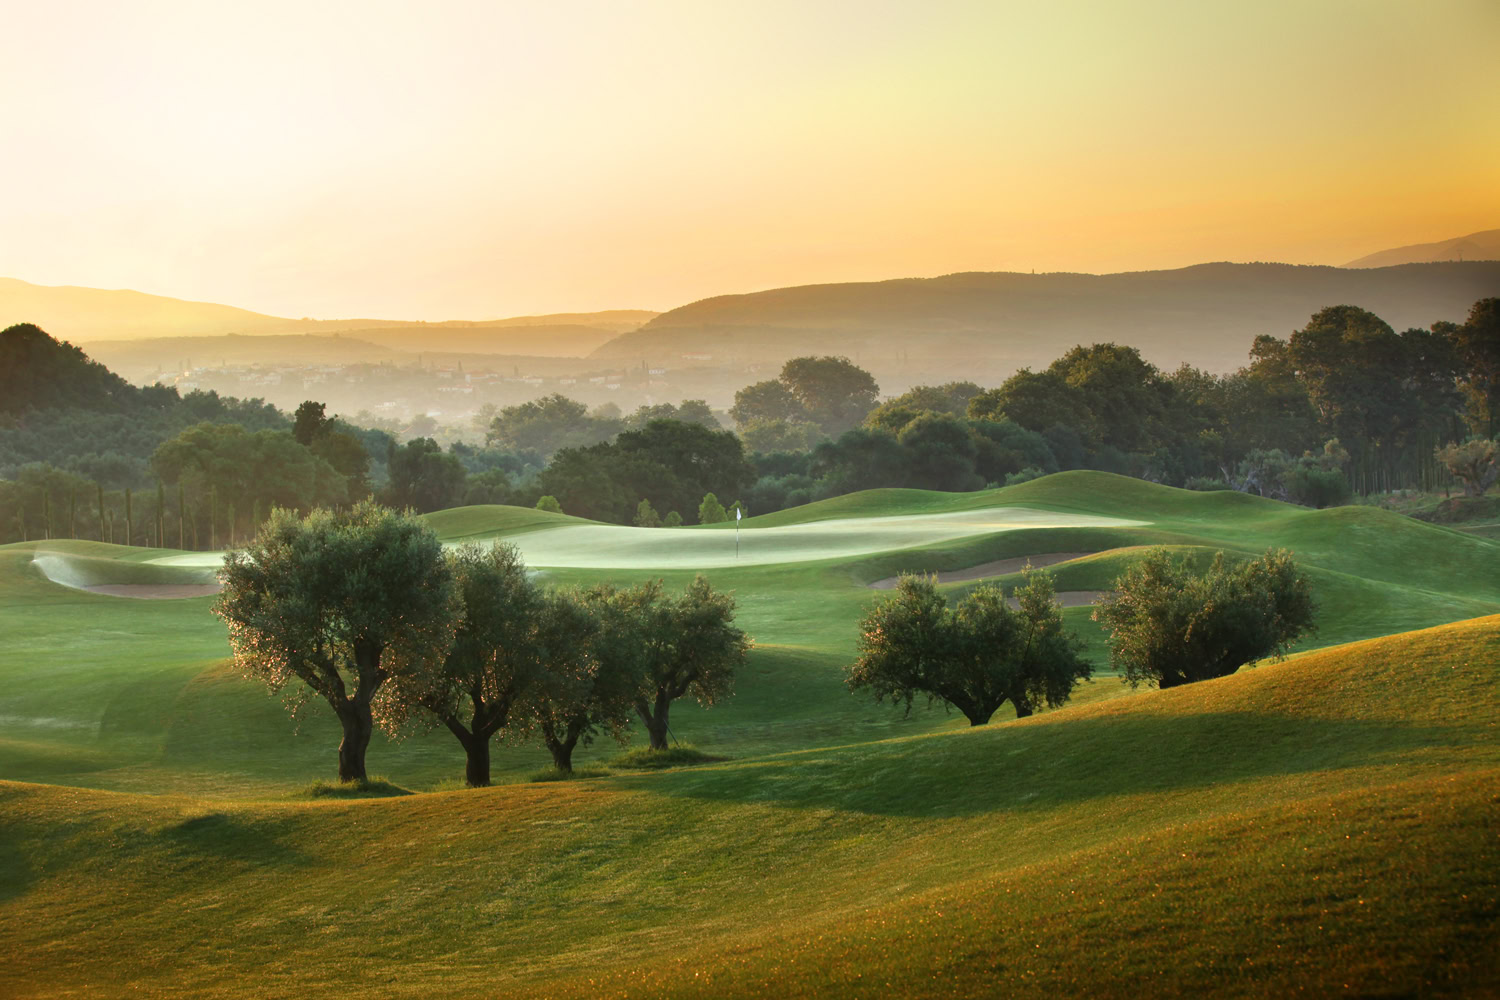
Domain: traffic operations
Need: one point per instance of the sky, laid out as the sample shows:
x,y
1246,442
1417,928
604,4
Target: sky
x,y
476,160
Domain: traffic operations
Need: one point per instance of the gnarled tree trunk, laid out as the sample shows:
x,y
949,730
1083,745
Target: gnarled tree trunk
x,y
655,718
358,727
561,745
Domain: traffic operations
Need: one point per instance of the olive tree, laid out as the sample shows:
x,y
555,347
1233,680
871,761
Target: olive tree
x,y
583,687
974,657
1169,625
670,647
493,661
342,603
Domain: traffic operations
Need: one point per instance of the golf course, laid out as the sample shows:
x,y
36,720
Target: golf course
x,y
1328,823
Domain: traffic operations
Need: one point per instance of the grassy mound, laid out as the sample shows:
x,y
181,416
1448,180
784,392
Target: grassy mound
x,y
646,759
1322,825
369,788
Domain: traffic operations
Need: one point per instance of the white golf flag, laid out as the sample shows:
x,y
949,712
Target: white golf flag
x,y
737,515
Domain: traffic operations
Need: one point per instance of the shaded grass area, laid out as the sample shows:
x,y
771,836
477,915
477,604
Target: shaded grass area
x,y
375,787
1328,821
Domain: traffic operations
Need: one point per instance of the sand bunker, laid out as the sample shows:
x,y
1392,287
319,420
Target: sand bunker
x,y
1000,567
61,571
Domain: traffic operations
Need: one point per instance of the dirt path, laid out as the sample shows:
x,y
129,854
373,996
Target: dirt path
x,y
999,567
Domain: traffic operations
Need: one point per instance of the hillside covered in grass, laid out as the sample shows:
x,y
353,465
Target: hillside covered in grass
x,y
1325,825
108,692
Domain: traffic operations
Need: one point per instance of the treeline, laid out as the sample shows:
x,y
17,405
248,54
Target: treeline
x,y
1345,405
465,640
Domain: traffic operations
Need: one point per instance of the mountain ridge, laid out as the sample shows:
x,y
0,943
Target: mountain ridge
x,y
80,313
1205,314
1483,245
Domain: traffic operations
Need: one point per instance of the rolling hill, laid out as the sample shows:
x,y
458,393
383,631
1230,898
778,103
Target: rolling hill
x,y
90,314
983,326
1322,825
1475,246
1325,825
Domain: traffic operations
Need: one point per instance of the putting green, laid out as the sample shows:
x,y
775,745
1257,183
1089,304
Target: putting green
x,y
574,544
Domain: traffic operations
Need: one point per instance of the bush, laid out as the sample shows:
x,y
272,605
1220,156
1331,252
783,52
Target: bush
x,y
1312,486
672,520
646,516
549,504
1026,475
1206,484
710,511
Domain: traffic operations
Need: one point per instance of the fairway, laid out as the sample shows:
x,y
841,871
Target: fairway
x,y
838,838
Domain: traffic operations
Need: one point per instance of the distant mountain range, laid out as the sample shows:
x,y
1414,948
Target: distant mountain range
x,y
91,314
985,325
1475,246
979,326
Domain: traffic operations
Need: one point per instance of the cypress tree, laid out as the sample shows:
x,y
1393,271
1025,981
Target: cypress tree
x,y
100,488
129,521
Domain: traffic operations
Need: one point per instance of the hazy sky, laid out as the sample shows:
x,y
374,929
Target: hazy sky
x,y
475,160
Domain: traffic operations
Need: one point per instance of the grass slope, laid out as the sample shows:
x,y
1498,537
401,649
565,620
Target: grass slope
x,y
103,692
1325,825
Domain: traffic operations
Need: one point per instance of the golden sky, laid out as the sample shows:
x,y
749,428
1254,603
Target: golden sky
x,y
470,160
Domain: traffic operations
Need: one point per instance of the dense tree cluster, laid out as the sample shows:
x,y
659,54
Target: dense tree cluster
x,y
669,463
1343,404
545,426
363,609
827,393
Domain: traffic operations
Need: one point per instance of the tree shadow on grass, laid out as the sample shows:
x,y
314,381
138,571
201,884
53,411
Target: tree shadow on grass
x,y
16,871
1043,765
218,838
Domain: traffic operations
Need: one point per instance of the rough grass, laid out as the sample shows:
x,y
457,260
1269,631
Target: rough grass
x,y
1322,826
578,773
647,759
376,787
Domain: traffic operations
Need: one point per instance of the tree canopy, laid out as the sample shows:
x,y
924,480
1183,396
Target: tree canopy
x,y
1169,625
340,603
974,657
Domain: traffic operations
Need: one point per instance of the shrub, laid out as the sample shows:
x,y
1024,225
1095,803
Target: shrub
x,y
710,511
1026,475
549,504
